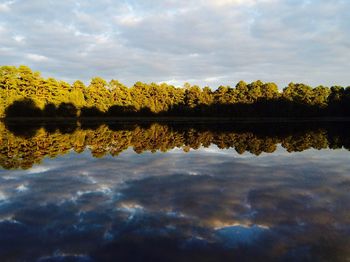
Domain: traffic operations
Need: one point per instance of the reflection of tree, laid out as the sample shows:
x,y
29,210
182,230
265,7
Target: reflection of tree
x,y
317,139
24,151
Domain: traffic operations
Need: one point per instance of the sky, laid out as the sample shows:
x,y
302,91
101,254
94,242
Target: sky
x,y
204,42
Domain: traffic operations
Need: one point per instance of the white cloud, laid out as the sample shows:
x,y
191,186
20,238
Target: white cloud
x,y
205,42
212,79
5,7
19,38
229,2
128,20
37,58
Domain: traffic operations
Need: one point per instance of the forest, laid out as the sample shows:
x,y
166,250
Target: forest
x,y
24,93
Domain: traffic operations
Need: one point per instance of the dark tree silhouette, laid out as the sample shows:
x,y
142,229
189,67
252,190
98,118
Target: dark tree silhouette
x,y
50,110
66,110
91,112
120,111
23,108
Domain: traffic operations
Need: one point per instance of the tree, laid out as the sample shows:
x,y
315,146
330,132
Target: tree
x,y
119,93
320,96
192,96
241,92
9,91
97,94
254,91
220,95
269,91
28,81
206,97
254,99
298,93
76,96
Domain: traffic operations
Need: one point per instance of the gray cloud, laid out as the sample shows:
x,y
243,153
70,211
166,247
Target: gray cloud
x,y
204,42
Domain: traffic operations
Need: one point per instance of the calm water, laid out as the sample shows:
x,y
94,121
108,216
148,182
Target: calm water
x,y
190,192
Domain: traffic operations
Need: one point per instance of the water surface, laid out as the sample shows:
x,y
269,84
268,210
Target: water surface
x,y
166,192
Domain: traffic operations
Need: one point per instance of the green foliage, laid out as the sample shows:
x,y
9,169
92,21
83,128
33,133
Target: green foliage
x,y
76,95
99,97
120,94
192,96
298,93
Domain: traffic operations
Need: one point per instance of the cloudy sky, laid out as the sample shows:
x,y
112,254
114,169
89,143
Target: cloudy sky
x,y
206,42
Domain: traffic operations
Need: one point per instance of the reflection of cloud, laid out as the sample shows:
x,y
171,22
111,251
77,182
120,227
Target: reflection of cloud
x,y
213,149
8,177
100,189
22,188
237,234
221,225
278,200
65,257
38,170
130,207
2,196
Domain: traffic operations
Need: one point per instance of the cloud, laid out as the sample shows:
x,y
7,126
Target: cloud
x,y
36,57
204,42
5,7
225,3
19,38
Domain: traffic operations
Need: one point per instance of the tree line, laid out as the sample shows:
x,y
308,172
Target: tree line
x,y
21,148
24,93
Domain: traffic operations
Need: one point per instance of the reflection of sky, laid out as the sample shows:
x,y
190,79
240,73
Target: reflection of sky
x,y
207,201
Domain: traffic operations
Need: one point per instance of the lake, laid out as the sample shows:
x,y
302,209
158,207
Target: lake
x,y
186,191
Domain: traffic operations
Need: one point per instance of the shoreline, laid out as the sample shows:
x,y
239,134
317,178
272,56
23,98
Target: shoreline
x,y
179,119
